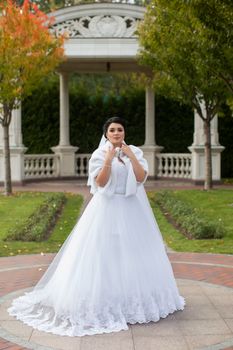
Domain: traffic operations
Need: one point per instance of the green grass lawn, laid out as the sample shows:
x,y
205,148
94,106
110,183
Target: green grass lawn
x,y
18,207
216,205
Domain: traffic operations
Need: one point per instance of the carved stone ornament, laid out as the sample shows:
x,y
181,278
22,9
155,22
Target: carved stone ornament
x,y
98,26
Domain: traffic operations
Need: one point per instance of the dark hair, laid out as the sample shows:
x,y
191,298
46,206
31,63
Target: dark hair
x,y
117,120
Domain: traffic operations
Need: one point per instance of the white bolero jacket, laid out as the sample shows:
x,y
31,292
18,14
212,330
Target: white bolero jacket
x,y
96,163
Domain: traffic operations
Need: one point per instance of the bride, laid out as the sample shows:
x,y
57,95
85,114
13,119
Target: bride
x,y
113,268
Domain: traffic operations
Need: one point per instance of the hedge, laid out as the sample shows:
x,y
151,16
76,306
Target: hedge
x,y
38,225
94,99
190,220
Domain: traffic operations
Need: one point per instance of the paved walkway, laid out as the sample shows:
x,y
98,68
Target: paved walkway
x,y
205,280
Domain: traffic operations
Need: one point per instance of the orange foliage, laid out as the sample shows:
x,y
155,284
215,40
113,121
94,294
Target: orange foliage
x,y
28,51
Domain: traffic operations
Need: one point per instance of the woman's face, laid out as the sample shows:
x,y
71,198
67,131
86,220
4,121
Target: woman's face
x,y
115,134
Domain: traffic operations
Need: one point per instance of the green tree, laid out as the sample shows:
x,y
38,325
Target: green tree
x,y
28,52
180,44
217,17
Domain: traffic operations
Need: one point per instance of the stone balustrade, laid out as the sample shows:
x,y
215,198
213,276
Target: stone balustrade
x,y
38,166
174,165
81,164
170,165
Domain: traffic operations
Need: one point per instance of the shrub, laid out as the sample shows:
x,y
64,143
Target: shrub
x,y
189,219
38,225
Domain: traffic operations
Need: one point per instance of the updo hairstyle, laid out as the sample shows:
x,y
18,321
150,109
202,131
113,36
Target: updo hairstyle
x,y
116,120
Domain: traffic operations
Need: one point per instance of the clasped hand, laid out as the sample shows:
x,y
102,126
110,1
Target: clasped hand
x,y
111,152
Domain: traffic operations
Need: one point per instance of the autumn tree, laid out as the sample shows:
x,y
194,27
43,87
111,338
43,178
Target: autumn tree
x,y
185,47
28,52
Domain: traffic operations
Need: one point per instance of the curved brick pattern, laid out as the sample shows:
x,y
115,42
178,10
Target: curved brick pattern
x,y
211,274
203,258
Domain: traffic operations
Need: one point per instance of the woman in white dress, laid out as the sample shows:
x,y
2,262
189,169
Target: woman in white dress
x,y
113,268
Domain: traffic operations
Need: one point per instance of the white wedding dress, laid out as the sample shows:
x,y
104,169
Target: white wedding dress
x,y
111,270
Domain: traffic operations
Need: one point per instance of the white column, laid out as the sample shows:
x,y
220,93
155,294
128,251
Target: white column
x,y
64,150
198,149
17,148
16,139
199,133
150,118
150,148
64,110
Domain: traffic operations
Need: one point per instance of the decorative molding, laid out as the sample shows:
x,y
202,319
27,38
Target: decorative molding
x,y
107,26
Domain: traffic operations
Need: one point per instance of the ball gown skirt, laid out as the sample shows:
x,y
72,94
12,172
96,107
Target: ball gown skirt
x,y
111,270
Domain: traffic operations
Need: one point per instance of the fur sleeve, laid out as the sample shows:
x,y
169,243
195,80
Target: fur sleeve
x,y
139,155
94,167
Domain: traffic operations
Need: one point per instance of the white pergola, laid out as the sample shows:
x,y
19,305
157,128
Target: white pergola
x,y
102,38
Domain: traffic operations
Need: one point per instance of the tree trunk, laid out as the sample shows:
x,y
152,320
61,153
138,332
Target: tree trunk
x,y
6,150
208,156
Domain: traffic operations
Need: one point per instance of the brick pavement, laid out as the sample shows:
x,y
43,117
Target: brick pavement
x,y
22,271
